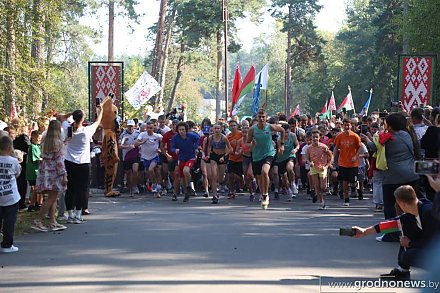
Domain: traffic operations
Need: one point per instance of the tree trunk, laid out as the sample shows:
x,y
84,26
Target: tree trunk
x,y
159,40
37,54
218,83
178,78
165,56
49,50
111,29
288,104
11,55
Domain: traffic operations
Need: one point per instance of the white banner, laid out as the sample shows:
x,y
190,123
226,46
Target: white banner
x,y
142,91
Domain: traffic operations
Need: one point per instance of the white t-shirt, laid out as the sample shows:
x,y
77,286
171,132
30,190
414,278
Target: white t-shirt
x,y
128,139
78,148
164,130
303,153
148,149
363,151
9,171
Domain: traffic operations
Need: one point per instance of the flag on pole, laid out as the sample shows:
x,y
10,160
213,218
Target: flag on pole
x,y
235,89
142,91
256,97
364,110
245,88
325,112
390,226
332,103
264,74
347,103
324,109
295,112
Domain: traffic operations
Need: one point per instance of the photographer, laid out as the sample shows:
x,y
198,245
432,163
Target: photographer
x,y
418,229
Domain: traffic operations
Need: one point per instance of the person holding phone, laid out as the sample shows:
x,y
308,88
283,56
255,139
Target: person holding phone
x,y
77,161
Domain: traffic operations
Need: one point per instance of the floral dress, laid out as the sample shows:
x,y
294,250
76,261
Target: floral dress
x,y
51,171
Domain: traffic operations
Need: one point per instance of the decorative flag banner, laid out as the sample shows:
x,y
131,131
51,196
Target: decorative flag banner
x,y
256,97
347,103
324,109
325,112
105,80
416,80
295,112
235,89
142,91
246,88
264,75
364,110
332,103
390,226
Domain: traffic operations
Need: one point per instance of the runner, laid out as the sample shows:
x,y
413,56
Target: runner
x,y
235,165
285,161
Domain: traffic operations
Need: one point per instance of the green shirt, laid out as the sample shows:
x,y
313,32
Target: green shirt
x,y
33,158
263,143
289,145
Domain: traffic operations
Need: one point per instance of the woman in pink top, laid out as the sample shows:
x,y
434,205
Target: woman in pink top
x,y
320,158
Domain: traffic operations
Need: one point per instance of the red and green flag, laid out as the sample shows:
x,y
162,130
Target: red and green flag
x,y
246,88
390,226
347,103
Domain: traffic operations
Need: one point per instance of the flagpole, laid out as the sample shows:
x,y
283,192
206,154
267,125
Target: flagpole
x,y
225,22
266,100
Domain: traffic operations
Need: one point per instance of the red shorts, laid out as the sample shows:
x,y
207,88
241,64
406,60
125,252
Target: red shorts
x,y
189,164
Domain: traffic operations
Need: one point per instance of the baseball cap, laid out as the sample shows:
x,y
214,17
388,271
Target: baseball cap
x,y
130,122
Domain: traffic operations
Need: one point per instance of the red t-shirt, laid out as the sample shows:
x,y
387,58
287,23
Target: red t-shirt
x,y
166,140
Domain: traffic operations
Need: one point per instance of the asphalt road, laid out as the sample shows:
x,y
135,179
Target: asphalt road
x,y
156,245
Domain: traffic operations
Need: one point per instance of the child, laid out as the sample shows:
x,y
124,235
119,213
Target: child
x,y
33,159
52,176
320,158
9,171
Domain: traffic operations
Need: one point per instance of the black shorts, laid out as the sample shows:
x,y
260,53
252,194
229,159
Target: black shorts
x,y
348,174
163,159
32,182
282,166
128,165
258,165
172,164
235,167
216,158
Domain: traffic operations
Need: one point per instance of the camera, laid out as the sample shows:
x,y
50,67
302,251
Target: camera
x,y
426,167
396,104
69,131
347,232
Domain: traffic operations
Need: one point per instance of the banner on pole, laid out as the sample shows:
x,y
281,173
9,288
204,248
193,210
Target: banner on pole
x,y
142,91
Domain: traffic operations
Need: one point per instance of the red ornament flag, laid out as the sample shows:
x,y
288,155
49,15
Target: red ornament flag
x,y
324,109
235,89
332,103
295,112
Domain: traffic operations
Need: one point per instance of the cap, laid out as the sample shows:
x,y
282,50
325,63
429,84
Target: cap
x,y
206,130
130,122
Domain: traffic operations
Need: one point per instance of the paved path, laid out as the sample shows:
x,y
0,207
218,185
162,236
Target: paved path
x,y
156,245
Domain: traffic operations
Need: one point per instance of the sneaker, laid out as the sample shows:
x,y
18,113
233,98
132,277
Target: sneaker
x,y
9,249
265,202
64,217
360,196
206,194
186,198
191,192
57,227
154,188
135,190
294,188
397,275
346,204
71,220
157,195
38,225
251,198
276,195
174,197
314,199
215,199
322,207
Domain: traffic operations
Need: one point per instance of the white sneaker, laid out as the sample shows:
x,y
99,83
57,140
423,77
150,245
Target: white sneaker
x,y
346,204
322,207
135,190
294,188
64,217
9,249
289,193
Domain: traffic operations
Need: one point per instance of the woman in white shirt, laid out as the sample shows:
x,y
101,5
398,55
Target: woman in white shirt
x,y
77,163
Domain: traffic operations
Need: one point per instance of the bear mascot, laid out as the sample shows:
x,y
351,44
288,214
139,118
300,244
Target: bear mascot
x,y
109,154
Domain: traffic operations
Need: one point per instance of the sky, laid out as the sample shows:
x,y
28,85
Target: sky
x,y
330,18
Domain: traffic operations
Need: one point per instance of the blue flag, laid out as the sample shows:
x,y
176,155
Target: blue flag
x,y
256,97
364,110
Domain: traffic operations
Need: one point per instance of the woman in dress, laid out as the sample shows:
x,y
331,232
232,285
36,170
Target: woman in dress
x,y
52,176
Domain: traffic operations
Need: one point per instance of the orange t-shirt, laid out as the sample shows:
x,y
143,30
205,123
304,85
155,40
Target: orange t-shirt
x,y
234,140
348,146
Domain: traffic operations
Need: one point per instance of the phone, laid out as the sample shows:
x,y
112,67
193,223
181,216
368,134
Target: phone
x,y
347,232
69,131
97,102
426,167
364,128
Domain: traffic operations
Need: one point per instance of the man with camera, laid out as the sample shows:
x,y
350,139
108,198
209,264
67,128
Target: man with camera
x,y
417,226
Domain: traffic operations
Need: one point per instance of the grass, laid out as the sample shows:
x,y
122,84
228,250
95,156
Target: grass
x,y
24,222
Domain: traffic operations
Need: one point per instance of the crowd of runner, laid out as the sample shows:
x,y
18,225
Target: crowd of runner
x,y
264,158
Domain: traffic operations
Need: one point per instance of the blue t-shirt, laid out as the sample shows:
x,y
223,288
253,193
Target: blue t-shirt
x,y
187,147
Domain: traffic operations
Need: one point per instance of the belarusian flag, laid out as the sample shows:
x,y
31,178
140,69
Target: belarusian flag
x,y
389,226
245,88
295,112
235,88
348,103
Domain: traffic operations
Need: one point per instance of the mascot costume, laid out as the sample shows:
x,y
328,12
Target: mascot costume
x,y
109,154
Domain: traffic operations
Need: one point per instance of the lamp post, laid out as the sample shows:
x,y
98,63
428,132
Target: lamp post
x,y
287,87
